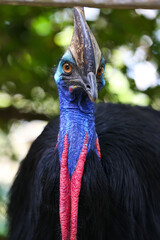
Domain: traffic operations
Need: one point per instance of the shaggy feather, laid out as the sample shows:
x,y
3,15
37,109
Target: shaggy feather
x,y
120,196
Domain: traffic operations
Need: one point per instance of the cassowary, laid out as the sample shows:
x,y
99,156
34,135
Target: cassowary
x,y
94,172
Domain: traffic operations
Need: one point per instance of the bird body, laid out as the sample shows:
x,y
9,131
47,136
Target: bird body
x,y
120,195
93,173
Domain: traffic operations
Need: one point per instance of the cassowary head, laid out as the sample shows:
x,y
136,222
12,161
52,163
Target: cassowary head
x,y
82,65
79,76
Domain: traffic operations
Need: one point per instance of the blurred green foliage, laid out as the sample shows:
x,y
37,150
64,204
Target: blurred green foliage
x,y
32,40
3,203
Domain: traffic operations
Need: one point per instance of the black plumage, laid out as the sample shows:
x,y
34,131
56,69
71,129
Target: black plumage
x,y
119,197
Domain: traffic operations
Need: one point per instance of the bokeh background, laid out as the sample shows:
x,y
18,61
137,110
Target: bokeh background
x,y
32,40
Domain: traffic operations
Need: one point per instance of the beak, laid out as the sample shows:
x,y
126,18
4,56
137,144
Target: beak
x,y
91,87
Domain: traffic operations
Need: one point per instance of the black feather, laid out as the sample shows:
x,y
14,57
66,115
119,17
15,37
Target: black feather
x,y
119,198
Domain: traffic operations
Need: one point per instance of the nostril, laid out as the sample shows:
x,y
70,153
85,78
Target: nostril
x,y
88,86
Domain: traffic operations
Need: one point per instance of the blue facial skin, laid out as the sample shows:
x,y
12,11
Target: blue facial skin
x,y
103,62
76,117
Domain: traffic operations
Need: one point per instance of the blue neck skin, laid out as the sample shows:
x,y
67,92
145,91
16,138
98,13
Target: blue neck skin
x,y
76,119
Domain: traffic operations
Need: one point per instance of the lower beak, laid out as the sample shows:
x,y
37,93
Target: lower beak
x,y
91,86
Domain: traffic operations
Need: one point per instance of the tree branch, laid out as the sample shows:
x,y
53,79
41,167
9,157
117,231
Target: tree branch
x,y
3,238
154,4
12,113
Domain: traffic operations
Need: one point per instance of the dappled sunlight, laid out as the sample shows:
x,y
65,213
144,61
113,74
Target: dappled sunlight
x,y
145,75
91,14
148,13
5,99
42,26
63,38
118,84
15,146
22,134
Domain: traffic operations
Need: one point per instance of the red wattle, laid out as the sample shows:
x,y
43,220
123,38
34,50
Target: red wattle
x,y
98,148
75,189
65,193
69,191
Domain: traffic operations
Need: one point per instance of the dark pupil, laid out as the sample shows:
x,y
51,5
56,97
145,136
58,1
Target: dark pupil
x,y
100,69
67,67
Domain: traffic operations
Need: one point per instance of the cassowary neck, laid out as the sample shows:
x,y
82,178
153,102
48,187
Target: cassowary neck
x,y
77,136
76,123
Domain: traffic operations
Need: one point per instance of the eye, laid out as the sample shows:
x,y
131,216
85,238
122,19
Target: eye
x,y
67,68
100,71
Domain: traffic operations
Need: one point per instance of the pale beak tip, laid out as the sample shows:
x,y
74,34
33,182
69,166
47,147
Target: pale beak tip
x,y
92,86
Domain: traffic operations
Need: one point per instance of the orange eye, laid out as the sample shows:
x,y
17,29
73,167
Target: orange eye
x,y
67,68
100,71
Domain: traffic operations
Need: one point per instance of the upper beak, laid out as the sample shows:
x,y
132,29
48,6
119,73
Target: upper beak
x,y
91,86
